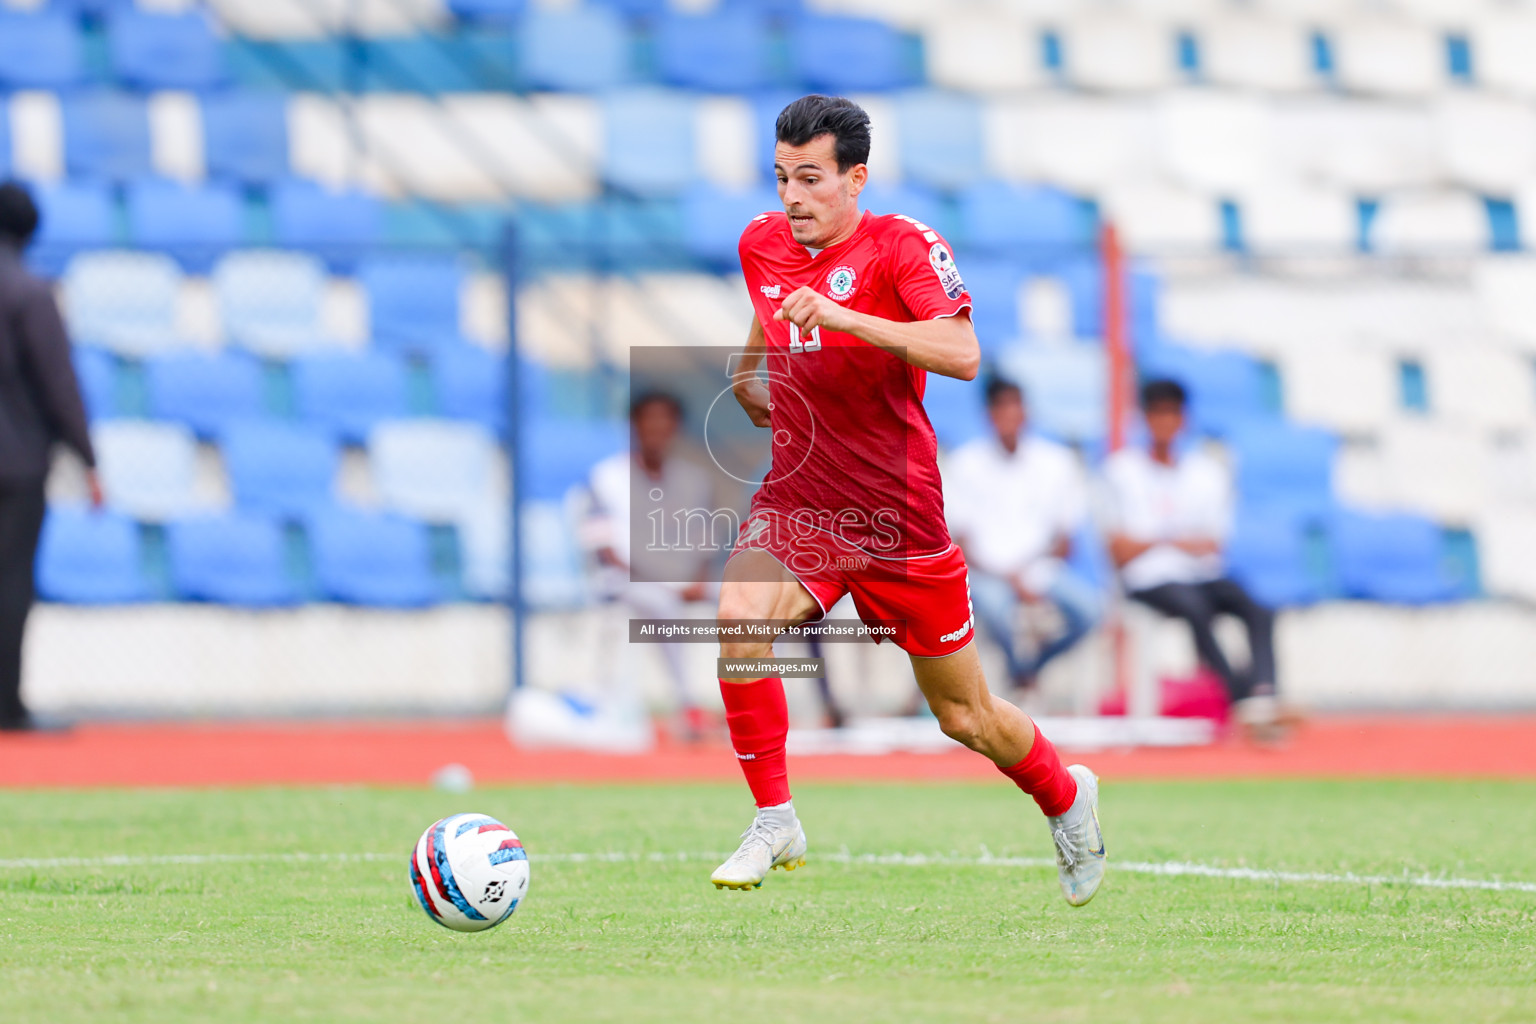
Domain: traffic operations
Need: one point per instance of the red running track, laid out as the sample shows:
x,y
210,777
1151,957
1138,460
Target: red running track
x,y
226,754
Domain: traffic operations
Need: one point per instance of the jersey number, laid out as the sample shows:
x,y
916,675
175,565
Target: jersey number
x,y
811,344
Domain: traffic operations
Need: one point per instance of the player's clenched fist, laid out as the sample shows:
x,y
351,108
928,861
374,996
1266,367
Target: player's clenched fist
x,y
808,309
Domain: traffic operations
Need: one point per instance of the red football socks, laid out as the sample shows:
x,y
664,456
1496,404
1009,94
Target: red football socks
x,y
1042,775
758,719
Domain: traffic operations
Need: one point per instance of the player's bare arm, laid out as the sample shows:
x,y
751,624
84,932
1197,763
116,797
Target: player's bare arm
x,y
947,346
749,388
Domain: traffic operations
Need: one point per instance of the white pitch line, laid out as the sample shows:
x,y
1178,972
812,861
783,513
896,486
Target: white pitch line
x,y
1165,869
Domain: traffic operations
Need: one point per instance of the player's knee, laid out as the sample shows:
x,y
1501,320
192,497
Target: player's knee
x,y
960,722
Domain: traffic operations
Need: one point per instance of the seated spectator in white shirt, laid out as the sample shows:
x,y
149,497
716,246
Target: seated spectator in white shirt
x,y
1014,501
1170,513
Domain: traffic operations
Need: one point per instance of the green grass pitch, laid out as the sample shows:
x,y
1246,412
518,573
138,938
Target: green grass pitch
x,y
638,941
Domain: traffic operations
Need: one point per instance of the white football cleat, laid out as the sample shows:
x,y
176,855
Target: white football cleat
x,y
1079,842
764,846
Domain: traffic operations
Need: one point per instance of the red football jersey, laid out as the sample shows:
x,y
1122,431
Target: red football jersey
x,y
853,451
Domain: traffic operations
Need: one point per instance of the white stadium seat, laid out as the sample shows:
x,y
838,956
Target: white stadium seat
x,y
1270,55
483,311
315,19
37,136
1506,540
271,302
1390,58
1438,470
436,470
1075,142
1214,141
124,301
1159,218
1506,292
1487,143
726,132
1285,217
1117,53
320,142
1349,389
1431,222
176,135
1362,146
1502,43
704,309
148,470
1481,386
1514,469
983,53
554,320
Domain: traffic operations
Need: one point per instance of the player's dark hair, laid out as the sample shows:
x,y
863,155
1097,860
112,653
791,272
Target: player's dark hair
x,y
648,398
999,388
1163,391
18,214
812,116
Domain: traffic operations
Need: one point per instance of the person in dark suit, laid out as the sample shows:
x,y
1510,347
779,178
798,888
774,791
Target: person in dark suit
x,y
40,404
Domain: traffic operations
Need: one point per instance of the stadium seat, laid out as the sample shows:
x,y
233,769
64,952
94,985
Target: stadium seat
x,y
1352,389
413,301
553,576
165,51
1226,389
485,536
1163,218
1117,53
1066,385
39,50
715,220
245,137
939,136
434,470
915,201
148,470
337,226
584,49
1267,554
725,51
236,559
1367,148
277,468
955,408
838,55
1502,44
1437,469
194,224
994,284
1246,52
1039,222
650,143
89,557
487,11
349,393
1399,559
123,301
1292,218
1505,287
1078,143
1506,535
1215,142
1282,468
471,384
1440,222
983,53
96,372
206,392
1486,143
560,454
270,301
1390,58
1480,386
76,216
106,135
369,559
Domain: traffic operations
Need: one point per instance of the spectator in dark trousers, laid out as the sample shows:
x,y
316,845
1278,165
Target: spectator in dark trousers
x,y
39,404
1170,513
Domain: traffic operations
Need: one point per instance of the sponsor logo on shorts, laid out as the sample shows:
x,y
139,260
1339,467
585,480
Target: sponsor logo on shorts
x,y
944,267
840,283
957,634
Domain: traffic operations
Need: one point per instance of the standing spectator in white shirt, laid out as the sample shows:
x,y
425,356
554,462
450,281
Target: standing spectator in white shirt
x,y
1170,514
1014,502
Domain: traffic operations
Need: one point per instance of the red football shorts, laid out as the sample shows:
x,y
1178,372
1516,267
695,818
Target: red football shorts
x,y
931,593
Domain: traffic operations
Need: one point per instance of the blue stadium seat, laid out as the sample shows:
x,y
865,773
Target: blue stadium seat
x,y
413,301
194,224
1066,387
1283,468
650,146
485,536
837,55
1226,388
76,216
487,11
915,201
1395,558
434,470
285,469
123,301
554,575
270,301
369,559
559,454
994,287
87,557
471,384
715,219
245,136
580,50
106,135
939,139
38,51
638,10
97,373
207,392
725,51
236,559
1036,221
349,393
955,408
337,226
165,51
5,140
1267,554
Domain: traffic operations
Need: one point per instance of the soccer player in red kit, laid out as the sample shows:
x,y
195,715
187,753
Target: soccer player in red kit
x,y
852,312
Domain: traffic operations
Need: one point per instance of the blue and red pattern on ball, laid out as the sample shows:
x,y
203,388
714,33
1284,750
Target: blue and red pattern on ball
x,y
481,823
442,872
510,849
419,886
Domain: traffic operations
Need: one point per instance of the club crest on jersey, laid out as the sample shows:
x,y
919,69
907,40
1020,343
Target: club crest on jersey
x,y
944,267
840,283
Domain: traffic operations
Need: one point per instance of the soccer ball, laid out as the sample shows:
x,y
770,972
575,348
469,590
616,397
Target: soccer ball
x,y
469,871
